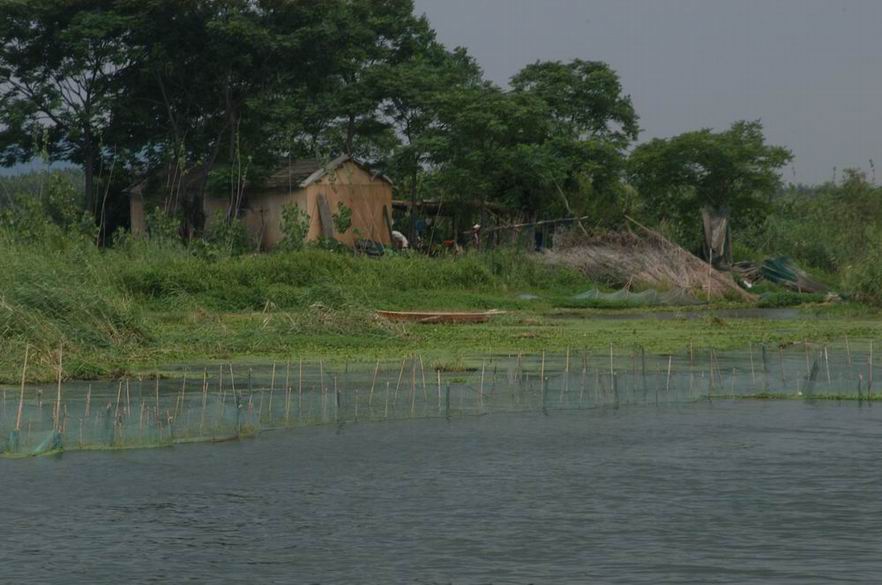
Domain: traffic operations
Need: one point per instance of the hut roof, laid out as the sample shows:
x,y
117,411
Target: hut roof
x,y
295,174
304,172
169,178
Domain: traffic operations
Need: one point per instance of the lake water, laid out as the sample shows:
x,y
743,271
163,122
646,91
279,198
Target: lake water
x,y
710,492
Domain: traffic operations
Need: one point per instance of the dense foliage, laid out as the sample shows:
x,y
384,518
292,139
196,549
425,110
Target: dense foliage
x,y
834,229
226,89
733,171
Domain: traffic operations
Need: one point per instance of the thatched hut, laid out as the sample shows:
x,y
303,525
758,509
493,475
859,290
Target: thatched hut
x,y
317,187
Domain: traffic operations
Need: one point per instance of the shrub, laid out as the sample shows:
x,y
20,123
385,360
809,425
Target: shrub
x,y
295,228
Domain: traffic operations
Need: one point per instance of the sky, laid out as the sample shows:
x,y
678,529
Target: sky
x,y
810,70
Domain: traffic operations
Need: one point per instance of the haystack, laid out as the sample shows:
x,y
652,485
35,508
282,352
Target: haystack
x,y
648,260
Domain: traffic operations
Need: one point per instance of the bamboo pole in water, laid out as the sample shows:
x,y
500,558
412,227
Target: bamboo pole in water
x,y
565,387
117,422
273,387
783,374
300,391
128,399
765,369
398,384
827,365
336,401
848,350
438,372
423,375
583,380
183,392
805,347
752,371
221,394
481,388
542,382
57,414
612,371
24,373
287,392
412,386
260,410
373,383
88,409
322,390
204,399
668,381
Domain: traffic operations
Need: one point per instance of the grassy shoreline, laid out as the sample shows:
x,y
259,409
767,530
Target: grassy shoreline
x,y
200,338
144,307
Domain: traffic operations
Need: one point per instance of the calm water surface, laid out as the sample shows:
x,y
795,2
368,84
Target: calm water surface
x,y
746,492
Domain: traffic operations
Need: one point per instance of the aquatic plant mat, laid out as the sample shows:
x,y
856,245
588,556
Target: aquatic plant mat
x,y
226,402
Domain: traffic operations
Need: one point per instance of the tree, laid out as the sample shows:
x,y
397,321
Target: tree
x,y
59,65
217,95
552,145
584,99
414,91
733,170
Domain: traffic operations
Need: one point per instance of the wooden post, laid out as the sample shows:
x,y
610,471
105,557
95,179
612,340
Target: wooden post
x,y
765,370
423,375
542,383
565,387
24,373
324,407
57,414
668,382
752,371
438,372
325,217
827,364
336,402
287,392
204,398
398,384
183,393
612,371
481,389
583,380
373,383
128,399
273,386
412,386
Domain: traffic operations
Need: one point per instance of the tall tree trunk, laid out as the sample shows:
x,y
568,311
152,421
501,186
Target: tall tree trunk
x,y
413,203
350,134
89,173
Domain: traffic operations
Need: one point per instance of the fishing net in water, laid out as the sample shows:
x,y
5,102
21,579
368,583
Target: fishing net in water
x,y
222,405
647,298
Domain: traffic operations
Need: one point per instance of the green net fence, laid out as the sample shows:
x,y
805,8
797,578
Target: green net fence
x,y
227,402
647,298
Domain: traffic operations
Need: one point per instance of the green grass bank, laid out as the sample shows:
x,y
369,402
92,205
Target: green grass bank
x,y
144,306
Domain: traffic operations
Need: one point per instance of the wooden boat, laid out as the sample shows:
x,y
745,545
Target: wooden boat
x,y
439,316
